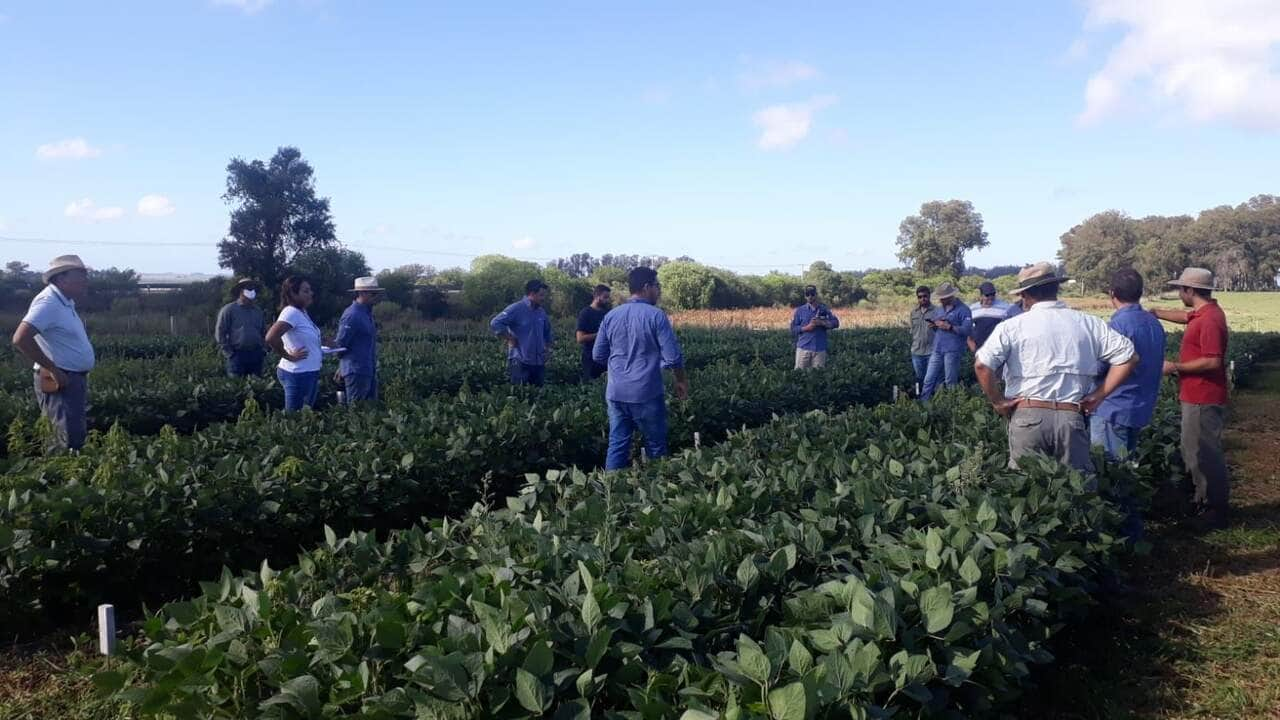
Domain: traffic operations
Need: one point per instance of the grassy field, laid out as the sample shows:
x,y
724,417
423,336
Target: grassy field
x,y
1257,312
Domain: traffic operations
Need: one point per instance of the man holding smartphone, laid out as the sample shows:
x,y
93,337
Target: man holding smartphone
x,y
952,323
809,326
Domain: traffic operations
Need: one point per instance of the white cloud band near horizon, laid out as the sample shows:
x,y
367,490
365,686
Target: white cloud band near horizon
x,y
155,206
783,126
87,210
1206,60
524,243
76,148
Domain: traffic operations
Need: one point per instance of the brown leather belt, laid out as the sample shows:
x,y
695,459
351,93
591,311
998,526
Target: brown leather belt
x,y
1050,405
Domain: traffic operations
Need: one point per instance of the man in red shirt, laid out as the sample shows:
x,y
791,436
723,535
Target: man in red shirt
x,y
1202,387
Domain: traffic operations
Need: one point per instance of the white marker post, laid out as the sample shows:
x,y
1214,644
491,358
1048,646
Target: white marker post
x,y
107,629
895,393
697,440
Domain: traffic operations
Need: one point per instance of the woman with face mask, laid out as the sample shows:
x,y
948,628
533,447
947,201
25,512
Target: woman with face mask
x,y
296,339
240,331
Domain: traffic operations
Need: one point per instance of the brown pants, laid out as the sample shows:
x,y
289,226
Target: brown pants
x,y
1203,455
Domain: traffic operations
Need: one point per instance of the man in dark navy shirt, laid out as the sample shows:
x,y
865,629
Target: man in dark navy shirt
x,y
588,325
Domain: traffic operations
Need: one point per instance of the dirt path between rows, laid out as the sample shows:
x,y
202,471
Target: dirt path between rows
x,y
1198,635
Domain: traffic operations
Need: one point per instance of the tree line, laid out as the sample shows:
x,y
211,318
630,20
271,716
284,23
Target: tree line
x,y
279,226
1240,244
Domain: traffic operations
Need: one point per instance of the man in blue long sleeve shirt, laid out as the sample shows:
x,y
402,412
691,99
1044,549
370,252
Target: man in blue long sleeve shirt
x,y
809,326
527,329
953,323
1118,421
359,336
636,343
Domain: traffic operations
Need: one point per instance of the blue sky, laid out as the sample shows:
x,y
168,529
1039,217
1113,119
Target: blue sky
x,y
751,136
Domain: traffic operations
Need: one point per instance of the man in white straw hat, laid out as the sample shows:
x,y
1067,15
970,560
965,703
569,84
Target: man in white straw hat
x,y
53,336
1050,355
358,335
952,323
1201,370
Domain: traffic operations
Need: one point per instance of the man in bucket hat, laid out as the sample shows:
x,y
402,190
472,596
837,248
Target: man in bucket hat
x,y
1201,370
952,323
1050,356
53,336
358,336
241,330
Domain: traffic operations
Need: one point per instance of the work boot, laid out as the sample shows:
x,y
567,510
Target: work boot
x,y
1208,521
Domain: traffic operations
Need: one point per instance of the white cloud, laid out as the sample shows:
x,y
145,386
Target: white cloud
x,y
524,243
782,126
775,74
1209,60
248,7
69,149
87,210
155,206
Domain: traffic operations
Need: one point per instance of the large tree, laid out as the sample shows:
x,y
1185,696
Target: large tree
x,y
275,215
935,240
1097,247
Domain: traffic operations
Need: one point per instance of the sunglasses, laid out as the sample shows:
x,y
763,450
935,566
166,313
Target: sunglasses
x,y
988,294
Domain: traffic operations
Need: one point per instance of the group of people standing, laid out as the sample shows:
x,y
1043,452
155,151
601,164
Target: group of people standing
x,y
1067,380
633,343
244,338
1064,379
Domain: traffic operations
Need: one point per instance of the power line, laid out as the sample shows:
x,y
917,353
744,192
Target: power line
x,y
102,243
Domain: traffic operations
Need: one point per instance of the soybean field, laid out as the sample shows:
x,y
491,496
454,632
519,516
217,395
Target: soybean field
x,y
819,545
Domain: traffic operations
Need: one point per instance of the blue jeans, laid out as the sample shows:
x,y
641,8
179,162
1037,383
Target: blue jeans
x,y
522,374
944,367
242,363
650,418
1118,442
300,389
920,363
360,388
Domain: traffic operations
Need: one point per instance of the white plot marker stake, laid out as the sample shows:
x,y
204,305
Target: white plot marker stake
x,y
895,393
107,629
697,440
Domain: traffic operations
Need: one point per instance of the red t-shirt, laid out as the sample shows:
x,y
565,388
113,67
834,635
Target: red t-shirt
x,y
1206,336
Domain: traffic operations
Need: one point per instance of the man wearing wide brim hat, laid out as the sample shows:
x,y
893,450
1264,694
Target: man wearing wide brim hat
x,y
1201,370
358,339
1050,356
952,323
53,336
241,331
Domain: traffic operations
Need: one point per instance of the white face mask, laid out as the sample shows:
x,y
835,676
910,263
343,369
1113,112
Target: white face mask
x,y
249,294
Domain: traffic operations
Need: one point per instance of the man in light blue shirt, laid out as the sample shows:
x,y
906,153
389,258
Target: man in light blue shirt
x,y
952,323
53,336
809,326
527,329
636,343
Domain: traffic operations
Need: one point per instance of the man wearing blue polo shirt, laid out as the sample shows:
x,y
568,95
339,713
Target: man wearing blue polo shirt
x,y
636,343
1119,420
809,326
